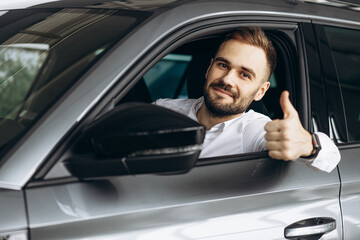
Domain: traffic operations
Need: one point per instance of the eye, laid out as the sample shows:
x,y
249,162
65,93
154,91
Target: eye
x,y
245,75
222,65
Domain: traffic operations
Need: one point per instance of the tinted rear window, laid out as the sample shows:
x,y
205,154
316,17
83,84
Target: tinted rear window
x,y
344,44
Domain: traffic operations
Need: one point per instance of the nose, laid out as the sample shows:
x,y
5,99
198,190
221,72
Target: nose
x,y
230,77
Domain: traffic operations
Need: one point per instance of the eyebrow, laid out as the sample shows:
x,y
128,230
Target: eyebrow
x,y
252,72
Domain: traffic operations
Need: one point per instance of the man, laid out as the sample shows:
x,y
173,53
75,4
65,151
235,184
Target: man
x,y
238,75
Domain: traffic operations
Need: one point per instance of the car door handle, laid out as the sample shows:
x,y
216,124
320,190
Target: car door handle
x,y
312,228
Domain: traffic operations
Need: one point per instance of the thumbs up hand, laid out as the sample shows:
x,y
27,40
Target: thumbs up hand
x,y
286,138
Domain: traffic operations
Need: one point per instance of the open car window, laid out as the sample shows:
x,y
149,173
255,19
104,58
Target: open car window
x,y
181,74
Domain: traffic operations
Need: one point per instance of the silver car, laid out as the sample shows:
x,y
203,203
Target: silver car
x,y
85,155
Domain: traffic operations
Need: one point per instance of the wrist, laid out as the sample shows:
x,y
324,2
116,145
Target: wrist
x,y
308,148
316,146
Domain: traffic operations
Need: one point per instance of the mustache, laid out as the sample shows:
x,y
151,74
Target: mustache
x,y
227,88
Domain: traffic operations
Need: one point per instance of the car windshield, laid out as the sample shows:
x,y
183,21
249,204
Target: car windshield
x,y
44,52
19,63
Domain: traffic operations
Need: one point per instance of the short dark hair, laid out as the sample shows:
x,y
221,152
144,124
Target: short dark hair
x,y
255,36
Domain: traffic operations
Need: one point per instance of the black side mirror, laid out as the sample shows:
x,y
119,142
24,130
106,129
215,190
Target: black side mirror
x,y
136,138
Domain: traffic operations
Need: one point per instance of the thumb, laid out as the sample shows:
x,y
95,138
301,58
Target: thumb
x,y
286,106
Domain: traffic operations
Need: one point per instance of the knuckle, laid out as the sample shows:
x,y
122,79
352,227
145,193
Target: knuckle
x,y
284,135
287,145
286,125
268,126
284,146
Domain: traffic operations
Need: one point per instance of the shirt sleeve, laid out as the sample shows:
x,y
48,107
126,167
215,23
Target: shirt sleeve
x,y
327,158
253,132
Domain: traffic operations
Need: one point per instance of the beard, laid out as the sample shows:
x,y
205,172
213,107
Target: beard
x,y
218,108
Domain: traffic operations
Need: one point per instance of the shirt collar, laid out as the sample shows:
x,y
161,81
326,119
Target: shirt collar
x,y
195,108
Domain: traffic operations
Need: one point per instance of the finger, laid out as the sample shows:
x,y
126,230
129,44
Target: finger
x,y
286,106
273,136
273,125
273,145
277,155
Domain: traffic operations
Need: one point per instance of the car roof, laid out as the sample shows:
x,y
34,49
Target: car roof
x,y
338,9
133,5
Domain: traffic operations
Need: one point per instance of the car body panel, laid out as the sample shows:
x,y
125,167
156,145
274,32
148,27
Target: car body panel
x,y
13,215
350,196
239,200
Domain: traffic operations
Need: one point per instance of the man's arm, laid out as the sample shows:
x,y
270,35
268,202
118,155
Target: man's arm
x,y
288,140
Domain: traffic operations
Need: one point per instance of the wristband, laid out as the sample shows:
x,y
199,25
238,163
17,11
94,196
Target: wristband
x,y
316,146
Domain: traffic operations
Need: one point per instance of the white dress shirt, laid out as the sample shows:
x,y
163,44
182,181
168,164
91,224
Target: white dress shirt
x,y
246,134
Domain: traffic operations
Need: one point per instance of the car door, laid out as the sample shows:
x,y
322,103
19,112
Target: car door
x,y
13,223
343,58
248,196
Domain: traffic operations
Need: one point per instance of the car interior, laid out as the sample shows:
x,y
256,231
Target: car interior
x,y
191,78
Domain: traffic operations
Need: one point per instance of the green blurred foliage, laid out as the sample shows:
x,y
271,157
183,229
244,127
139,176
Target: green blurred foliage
x,y
18,69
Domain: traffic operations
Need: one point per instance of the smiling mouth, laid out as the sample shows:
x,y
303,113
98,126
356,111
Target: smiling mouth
x,y
223,92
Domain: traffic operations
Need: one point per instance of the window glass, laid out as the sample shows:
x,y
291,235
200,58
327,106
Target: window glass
x,y
345,48
19,64
44,52
166,78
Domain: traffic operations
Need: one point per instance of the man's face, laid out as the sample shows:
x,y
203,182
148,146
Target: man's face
x,y
235,77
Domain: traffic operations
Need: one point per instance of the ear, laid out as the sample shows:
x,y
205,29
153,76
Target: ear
x,y
262,90
207,71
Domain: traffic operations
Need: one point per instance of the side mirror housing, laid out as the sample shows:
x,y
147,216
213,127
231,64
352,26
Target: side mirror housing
x,y
136,138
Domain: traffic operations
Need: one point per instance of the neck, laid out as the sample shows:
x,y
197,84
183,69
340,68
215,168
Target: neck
x,y
209,120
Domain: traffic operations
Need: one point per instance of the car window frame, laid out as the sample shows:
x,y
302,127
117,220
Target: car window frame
x,y
155,54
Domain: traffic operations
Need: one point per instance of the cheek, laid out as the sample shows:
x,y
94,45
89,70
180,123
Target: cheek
x,y
212,74
246,90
